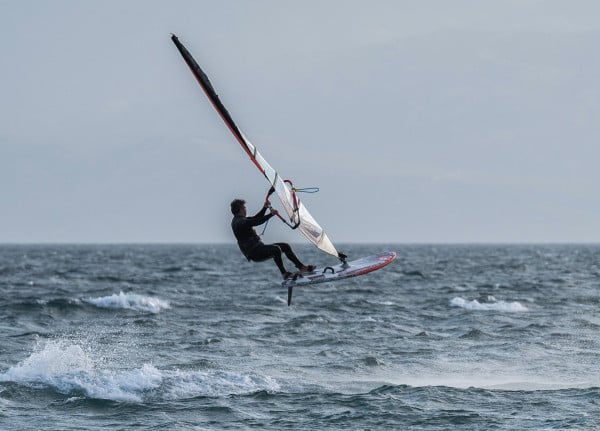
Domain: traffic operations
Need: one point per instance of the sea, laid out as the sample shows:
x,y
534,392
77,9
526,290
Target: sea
x,y
194,337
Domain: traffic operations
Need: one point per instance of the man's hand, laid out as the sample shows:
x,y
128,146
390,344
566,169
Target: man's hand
x,y
274,212
267,204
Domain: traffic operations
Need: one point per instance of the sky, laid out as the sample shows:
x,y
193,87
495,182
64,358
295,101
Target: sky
x,y
420,121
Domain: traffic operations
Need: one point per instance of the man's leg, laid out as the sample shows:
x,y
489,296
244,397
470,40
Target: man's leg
x,y
290,254
264,252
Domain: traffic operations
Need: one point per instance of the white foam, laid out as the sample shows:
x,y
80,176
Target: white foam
x,y
508,374
494,382
493,305
387,303
131,301
72,370
214,383
53,359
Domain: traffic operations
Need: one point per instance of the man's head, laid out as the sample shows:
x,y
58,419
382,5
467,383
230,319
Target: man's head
x,y
237,206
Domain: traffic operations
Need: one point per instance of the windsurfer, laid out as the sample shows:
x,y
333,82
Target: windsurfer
x,y
251,245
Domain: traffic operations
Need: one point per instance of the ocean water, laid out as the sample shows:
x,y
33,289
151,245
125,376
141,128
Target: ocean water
x,y
193,337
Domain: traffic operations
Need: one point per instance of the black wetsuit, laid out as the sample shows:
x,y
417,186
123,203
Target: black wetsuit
x,y
251,245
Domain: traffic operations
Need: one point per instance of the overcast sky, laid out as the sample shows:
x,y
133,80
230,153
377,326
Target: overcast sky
x,y
420,121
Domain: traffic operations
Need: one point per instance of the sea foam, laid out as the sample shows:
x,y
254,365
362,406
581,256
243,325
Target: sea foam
x,y
131,301
493,305
72,370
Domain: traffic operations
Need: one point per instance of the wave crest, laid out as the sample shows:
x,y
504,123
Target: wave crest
x,y
71,370
131,301
493,305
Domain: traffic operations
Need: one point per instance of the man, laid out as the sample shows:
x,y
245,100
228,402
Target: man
x,y
251,245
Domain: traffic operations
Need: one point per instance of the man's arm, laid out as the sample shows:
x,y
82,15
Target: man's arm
x,y
260,217
260,213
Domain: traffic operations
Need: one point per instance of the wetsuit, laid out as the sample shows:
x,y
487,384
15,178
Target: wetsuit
x,y
251,245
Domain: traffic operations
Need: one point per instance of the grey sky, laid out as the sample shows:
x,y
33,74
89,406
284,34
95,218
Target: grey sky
x,y
421,121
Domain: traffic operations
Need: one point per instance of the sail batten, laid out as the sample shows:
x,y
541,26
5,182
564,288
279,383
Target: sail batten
x,y
295,209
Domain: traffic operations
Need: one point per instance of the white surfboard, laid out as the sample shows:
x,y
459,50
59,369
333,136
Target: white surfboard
x,y
361,266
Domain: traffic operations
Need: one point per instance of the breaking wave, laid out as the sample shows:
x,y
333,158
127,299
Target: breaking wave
x,y
71,370
131,301
492,305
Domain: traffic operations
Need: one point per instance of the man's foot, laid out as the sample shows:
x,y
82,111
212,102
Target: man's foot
x,y
287,275
307,268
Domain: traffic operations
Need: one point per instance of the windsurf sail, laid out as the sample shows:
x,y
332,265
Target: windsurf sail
x,y
299,217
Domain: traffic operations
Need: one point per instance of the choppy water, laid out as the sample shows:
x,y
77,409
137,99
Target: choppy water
x,y
194,337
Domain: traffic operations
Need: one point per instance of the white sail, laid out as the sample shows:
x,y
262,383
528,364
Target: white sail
x,y
298,215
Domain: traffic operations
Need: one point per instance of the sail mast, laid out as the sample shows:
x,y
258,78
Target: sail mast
x,y
214,98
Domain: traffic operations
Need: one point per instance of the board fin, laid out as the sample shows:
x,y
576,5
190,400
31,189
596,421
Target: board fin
x,y
290,291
